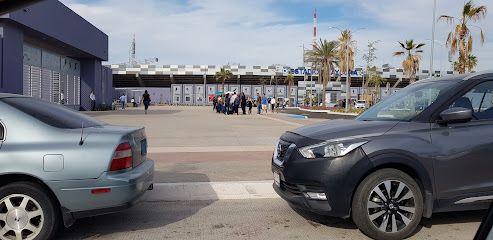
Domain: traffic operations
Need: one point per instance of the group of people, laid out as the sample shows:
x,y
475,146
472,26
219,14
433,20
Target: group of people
x,y
230,104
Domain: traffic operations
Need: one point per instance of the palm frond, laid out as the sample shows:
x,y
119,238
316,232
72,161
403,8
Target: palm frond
x,y
398,53
448,19
482,37
469,44
478,13
420,45
449,39
453,47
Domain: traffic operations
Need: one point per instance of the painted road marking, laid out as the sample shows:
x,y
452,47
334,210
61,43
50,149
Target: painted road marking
x,y
302,117
210,191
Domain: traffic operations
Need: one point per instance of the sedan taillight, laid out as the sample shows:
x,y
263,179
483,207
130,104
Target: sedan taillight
x,y
122,158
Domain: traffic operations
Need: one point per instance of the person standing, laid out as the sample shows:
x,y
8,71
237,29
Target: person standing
x,y
264,103
243,103
146,98
214,102
250,105
227,104
272,104
259,102
219,104
62,98
123,100
93,101
236,103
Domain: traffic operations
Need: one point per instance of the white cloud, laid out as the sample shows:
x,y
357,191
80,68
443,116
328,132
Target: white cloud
x,y
251,33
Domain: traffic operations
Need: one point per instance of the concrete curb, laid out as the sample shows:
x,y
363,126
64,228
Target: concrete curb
x,y
210,191
328,112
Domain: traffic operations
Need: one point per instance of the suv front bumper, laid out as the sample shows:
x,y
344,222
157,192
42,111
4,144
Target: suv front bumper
x,y
337,178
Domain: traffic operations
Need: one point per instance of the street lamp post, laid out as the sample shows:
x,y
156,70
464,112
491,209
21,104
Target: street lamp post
x,y
441,52
347,66
433,38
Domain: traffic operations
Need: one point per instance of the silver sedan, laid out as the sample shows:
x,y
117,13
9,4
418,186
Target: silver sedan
x,y
57,165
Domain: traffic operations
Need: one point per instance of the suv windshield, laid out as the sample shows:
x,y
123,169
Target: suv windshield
x,y
52,114
408,102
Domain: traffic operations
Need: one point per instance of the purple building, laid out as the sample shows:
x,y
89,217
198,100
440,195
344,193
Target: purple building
x,y
47,49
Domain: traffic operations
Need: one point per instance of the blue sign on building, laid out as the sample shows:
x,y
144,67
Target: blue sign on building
x,y
308,71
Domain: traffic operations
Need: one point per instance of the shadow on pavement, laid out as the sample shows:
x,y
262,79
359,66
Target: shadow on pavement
x,y
317,220
436,219
143,216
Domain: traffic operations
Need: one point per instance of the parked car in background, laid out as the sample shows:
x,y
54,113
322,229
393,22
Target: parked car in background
x,y
393,165
360,104
58,165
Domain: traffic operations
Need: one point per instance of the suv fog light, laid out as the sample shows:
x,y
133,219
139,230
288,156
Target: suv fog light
x,y
316,196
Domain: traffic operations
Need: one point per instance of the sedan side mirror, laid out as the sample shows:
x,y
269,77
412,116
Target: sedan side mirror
x,y
456,115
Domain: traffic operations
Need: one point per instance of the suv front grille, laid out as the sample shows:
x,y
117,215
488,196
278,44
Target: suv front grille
x,y
282,149
283,152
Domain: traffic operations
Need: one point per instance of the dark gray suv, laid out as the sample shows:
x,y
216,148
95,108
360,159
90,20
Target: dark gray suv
x,y
427,148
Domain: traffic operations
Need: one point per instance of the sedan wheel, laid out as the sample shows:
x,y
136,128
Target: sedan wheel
x,y
26,212
388,204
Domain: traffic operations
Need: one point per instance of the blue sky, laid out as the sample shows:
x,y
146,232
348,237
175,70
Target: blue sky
x,y
264,32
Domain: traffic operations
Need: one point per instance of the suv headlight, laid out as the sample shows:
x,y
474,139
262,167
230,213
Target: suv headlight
x,y
331,148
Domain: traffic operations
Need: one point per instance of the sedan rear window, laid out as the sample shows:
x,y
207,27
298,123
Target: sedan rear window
x,y
52,114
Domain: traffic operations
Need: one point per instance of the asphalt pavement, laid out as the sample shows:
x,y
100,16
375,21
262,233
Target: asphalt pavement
x,y
247,219
214,181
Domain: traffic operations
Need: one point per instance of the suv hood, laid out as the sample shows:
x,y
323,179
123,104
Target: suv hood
x,y
344,129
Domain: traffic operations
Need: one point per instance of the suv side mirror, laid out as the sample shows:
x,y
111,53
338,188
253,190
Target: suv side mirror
x,y
456,115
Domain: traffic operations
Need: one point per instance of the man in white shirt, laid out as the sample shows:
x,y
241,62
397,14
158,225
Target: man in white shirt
x,y
272,103
93,101
123,100
62,98
232,99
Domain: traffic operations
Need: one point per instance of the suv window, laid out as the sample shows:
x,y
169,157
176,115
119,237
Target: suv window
x,y
2,131
479,99
51,113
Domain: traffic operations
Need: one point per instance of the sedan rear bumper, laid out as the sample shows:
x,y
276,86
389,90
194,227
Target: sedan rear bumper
x,y
125,189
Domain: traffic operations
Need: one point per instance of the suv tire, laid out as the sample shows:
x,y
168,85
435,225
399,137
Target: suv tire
x,y
381,215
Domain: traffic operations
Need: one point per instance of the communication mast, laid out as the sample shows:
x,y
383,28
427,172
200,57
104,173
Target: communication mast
x,y
131,57
314,29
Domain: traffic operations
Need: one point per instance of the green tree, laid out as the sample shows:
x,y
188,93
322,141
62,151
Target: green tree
x,y
346,55
223,75
369,58
456,39
411,63
290,80
471,62
375,80
325,58
262,81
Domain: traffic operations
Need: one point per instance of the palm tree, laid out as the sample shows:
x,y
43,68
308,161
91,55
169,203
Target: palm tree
x,y
325,57
262,81
223,75
457,37
411,63
455,65
290,80
471,62
346,54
